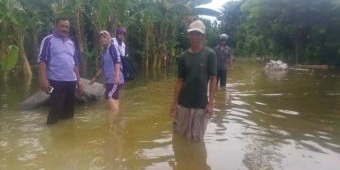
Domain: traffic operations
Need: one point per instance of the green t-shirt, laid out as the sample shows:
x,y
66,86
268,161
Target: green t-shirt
x,y
195,69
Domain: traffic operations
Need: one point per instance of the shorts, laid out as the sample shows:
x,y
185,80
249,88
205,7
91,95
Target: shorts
x,y
191,122
112,91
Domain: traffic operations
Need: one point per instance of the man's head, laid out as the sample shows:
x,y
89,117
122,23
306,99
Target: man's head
x,y
120,32
196,32
104,38
62,27
223,39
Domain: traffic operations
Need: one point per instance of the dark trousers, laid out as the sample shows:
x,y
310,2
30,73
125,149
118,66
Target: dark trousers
x,y
62,101
222,77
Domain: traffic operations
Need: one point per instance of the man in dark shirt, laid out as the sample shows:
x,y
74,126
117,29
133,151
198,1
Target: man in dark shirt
x,y
192,107
224,61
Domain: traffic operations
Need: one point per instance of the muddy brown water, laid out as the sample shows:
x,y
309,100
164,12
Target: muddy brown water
x,y
263,121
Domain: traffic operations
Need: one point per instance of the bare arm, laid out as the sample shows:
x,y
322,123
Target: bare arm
x,y
76,70
229,60
212,89
178,86
117,73
98,73
43,77
79,85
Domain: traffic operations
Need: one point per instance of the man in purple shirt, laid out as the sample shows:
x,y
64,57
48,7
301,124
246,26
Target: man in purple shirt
x,y
58,71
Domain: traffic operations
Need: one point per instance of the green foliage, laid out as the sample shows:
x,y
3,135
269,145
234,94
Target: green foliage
x,y
297,31
9,59
154,28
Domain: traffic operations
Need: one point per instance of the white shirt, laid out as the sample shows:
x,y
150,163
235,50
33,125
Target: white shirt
x,y
120,48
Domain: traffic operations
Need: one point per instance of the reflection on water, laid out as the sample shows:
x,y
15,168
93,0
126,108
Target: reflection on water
x,y
261,122
189,154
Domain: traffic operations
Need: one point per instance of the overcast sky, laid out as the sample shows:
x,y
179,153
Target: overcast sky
x,y
215,5
218,3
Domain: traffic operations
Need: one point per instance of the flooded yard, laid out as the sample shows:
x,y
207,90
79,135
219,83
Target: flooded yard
x,y
262,121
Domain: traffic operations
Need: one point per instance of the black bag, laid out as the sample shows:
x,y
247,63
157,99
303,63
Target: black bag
x,y
129,69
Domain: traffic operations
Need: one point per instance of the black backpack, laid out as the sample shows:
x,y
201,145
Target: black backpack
x,y
129,70
128,67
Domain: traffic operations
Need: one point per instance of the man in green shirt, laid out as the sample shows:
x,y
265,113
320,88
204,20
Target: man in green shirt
x,y
197,66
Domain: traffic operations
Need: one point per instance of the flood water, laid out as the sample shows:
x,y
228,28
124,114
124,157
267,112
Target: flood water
x,y
262,121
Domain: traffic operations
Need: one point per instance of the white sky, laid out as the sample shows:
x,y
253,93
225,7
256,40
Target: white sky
x,y
217,4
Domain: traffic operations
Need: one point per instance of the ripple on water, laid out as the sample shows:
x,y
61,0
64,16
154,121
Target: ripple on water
x,y
273,94
312,146
325,137
3,143
31,128
163,140
309,135
333,145
279,116
259,103
238,110
26,156
28,117
238,102
333,94
33,142
155,153
290,112
97,163
242,94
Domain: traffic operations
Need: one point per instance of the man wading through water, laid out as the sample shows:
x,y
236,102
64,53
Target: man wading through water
x,y
58,71
224,60
191,107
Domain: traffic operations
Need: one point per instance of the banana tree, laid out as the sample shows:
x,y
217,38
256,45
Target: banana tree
x,y
14,16
76,11
8,60
154,23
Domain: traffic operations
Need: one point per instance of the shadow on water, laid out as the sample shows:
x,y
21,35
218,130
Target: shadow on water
x,y
262,121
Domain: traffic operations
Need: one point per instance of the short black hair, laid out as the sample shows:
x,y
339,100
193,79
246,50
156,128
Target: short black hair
x,y
60,19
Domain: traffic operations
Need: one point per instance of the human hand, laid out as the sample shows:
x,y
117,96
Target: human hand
x,y
209,108
173,109
116,80
80,88
92,80
44,86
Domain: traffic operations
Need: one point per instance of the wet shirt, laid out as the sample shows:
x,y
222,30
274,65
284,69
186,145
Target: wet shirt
x,y
195,70
60,56
108,59
120,48
223,54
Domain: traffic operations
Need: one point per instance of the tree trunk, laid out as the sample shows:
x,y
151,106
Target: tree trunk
x,y
296,53
36,50
155,56
80,39
26,65
299,43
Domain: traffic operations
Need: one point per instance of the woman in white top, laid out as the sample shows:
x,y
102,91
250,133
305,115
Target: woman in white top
x,y
118,41
129,70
